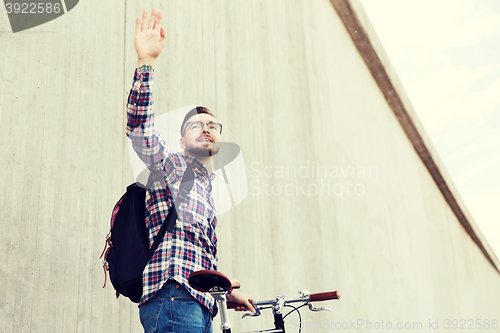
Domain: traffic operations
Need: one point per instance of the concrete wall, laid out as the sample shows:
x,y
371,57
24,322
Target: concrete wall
x,y
292,89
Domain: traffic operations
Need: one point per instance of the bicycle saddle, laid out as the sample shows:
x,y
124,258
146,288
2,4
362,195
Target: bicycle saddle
x,y
211,281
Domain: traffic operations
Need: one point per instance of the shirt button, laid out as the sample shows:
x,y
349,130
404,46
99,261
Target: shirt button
x,y
172,299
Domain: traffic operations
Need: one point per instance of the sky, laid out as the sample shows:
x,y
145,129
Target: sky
x,y
447,56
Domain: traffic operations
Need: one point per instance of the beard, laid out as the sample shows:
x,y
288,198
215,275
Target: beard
x,y
212,149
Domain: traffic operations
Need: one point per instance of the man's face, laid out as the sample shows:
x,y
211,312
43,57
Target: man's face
x,y
202,143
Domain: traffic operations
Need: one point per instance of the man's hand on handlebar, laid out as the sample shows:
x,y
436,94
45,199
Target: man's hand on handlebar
x,y
245,300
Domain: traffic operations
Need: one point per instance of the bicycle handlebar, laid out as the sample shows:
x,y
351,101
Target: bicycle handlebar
x,y
324,296
318,297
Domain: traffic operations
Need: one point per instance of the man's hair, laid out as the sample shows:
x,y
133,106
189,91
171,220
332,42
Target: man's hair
x,y
194,112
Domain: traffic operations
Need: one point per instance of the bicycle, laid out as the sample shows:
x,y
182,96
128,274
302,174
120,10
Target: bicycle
x,y
218,285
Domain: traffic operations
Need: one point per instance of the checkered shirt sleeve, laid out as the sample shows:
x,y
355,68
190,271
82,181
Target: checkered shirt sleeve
x,y
192,245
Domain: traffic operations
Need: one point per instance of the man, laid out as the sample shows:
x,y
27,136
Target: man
x,y
168,303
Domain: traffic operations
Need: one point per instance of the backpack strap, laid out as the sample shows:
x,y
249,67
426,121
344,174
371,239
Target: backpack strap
x,y
184,189
169,222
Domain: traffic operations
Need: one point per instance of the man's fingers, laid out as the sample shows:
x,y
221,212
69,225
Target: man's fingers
x,y
152,19
144,20
249,304
158,20
137,25
163,37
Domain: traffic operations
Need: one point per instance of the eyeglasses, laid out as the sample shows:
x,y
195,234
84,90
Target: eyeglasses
x,y
197,126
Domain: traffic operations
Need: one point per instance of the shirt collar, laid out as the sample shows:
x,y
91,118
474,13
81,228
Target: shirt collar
x,y
199,167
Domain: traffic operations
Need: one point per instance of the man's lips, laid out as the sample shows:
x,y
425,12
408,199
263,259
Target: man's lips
x,y
205,139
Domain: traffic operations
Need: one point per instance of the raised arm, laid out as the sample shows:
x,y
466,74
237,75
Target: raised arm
x,y
149,40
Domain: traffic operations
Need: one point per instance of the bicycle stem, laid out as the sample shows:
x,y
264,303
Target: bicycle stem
x,y
279,304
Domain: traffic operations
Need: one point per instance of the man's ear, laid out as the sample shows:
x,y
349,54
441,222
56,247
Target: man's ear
x,y
183,144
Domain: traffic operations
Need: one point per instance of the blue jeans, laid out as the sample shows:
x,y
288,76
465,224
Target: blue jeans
x,y
173,309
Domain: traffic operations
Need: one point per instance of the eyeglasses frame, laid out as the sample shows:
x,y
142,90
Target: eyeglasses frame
x,y
202,125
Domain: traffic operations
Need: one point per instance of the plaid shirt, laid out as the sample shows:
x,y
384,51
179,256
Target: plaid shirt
x,y
192,245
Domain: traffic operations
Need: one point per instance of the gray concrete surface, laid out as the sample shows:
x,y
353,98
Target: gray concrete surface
x,y
291,88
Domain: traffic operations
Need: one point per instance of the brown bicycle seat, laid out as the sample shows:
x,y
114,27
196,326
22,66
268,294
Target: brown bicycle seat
x,y
211,281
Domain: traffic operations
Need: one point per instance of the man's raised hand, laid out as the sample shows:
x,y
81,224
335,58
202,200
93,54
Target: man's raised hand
x,y
150,37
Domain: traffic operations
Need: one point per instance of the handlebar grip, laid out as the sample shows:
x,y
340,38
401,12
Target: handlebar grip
x,y
324,296
232,305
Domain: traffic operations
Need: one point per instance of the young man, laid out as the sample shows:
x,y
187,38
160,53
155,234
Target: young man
x,y
168,303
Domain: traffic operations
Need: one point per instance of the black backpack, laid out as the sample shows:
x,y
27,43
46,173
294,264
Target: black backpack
x,y
127,251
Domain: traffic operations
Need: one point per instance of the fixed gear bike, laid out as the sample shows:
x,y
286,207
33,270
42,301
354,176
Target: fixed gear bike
x,y
218,285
